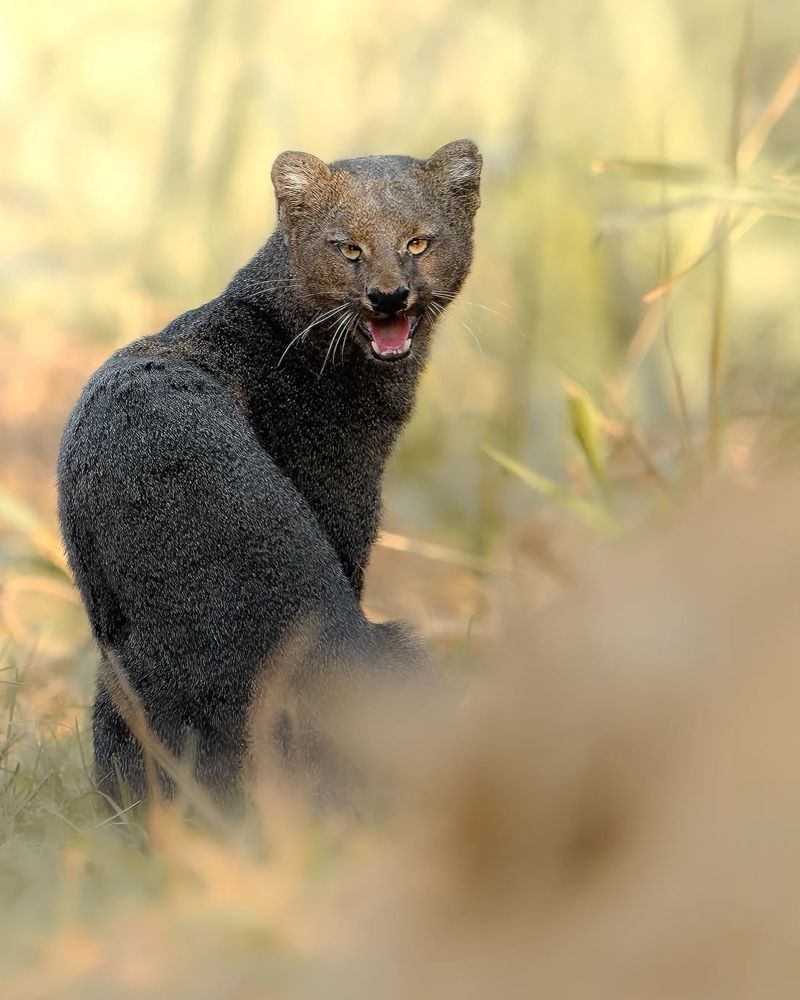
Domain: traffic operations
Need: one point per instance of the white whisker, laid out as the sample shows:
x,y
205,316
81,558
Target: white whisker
x,y
347,331
315,322
469,330
464,302
270,286
442,294
334,335
341,333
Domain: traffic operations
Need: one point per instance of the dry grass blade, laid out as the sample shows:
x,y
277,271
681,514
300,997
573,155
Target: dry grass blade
x,y
776,198
660,171
720,293
156,754
23,519
666,264
439,553
735,231
752,144
758,201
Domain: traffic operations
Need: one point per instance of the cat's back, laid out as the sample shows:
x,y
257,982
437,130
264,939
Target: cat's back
x,y
147,414
165,488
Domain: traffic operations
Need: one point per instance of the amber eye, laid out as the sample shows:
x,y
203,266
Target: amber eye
x,y
350,250
417,246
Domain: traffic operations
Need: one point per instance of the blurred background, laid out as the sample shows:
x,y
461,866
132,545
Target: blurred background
x,y
629,332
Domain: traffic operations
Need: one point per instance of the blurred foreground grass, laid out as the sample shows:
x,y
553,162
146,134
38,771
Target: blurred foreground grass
x,y
627,345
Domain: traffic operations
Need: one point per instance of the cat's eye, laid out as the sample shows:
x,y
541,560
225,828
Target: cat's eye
x,y
350,250
417,246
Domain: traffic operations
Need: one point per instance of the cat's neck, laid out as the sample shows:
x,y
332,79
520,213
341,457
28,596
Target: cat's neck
x,y
268,282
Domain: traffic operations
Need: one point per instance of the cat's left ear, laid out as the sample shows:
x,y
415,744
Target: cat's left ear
x,y
458,165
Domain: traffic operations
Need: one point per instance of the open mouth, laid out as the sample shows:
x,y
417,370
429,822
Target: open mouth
x,y
391,338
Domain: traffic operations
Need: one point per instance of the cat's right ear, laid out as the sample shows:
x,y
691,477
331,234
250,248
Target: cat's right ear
x,y
300,180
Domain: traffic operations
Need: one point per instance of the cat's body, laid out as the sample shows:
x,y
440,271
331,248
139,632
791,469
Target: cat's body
x,y
220,482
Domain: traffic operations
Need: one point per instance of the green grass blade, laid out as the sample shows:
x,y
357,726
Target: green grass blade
x,y
586,431
586,511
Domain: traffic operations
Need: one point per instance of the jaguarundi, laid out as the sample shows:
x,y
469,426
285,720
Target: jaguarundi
x,y
219,482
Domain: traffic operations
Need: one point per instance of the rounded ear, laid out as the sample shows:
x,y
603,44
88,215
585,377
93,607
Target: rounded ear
x,y
299,180
459,164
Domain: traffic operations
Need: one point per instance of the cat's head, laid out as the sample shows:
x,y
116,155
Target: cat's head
x,y
380,244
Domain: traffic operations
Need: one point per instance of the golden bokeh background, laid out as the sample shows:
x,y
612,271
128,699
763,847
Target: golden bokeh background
x,y
630,332
139,138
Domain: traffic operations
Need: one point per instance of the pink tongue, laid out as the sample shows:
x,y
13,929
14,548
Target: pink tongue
x,y
390,334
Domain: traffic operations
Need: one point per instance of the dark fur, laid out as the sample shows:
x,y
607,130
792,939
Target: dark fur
x,y
218,491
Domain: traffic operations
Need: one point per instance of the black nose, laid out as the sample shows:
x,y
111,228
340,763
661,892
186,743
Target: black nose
x,y
388,302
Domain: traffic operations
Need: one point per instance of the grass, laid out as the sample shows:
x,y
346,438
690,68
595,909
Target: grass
x,y
623,770
590,516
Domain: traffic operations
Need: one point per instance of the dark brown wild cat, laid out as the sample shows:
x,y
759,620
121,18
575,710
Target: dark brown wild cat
x,y
220,481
